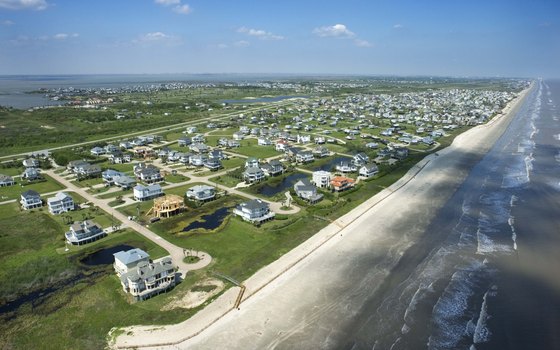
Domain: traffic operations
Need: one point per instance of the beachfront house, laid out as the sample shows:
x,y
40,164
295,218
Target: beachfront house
x,y
60,203
30,200
253,175
341,183
254,211
307,191
84,232
321,178
149,278
303,157
127,260
6,180
144,193
368,170
201,193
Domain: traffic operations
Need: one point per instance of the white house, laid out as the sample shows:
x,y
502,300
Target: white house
x,y
264,141
281,145
305,190
346,166
368,170
304,157
272,168
253,174
97,151
30,163
84,232
321,178
6,180
61,203
254,211
147,173
252,162
30,200
201,193
149,279
127,260
143,193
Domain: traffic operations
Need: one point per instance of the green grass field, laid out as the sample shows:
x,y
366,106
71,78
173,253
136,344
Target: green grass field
x,y
14,192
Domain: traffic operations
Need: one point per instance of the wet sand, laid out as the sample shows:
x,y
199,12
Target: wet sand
x,y
310,296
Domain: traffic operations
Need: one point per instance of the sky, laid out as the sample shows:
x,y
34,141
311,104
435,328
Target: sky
x,y
506,38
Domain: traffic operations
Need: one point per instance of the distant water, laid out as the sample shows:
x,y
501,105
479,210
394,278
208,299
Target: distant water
x,y
14,88
493,281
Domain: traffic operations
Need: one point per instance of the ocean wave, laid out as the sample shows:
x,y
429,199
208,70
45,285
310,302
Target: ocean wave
x,y
482,332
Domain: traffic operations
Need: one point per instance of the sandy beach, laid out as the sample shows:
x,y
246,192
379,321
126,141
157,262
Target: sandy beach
x,y
293,297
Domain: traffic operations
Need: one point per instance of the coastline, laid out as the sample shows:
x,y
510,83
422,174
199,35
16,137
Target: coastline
x,y
410,194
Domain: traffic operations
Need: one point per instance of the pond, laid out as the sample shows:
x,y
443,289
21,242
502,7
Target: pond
x,y
262,99
286,184
104,256
210,221
331,164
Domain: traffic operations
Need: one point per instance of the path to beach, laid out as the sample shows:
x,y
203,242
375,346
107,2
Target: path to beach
x,y
286,298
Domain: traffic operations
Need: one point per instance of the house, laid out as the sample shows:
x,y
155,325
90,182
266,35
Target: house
x,y
201,193
218,154
368,170
253,175
97,151
125,182
87,170
305,190
144,193
198,159
147,173
254,211
30,200
6,180
31,174
281,145
321,178
346,166
321,151
125,145
31,163
184,141
110,148
272,168
341,183
184,158
167,206
252,162
304,157
73,165
127,260
238,136
60,203
199,138
360,159
372,145
213,163
320,140
199,148
149,279
264,141
84,232
192,129
109,176
303,138
400,153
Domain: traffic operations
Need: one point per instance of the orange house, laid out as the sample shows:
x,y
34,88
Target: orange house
x,y
341,183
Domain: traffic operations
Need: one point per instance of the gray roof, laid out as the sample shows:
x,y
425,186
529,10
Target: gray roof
x,y
255,204
146,270
30,193
130,256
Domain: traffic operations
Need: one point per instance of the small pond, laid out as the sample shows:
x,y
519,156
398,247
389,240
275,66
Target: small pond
x,y
286,184
331,164
210,221
104,256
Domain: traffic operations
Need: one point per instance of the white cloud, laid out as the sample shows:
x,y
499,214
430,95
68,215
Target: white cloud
x,y
241,43
182,9
362,43
398,26
259,33
64,36
7,22
168,2
337,31
37,5
157,38
222,46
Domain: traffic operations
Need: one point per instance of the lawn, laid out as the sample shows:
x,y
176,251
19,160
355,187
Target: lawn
x,y
14,192
250,148
176,178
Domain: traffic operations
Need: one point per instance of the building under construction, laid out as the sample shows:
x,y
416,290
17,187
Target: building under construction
x,y
167,206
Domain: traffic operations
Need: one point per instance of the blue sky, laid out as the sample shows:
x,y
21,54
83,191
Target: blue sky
x,y
396,37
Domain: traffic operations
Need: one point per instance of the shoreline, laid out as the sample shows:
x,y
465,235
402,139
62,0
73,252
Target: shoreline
x,y
449,167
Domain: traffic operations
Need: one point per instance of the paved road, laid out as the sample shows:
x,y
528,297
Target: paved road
x,y
177,253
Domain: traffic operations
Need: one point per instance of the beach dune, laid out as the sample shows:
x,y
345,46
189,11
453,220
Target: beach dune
x,y
308,296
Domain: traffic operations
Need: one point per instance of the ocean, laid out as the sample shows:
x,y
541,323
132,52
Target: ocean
x,y
492,281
